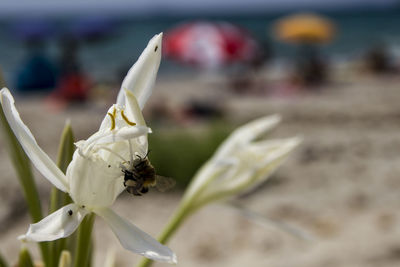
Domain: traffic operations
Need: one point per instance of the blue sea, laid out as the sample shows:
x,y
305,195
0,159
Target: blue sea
x,y
103,60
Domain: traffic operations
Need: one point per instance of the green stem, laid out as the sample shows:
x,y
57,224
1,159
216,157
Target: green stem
x,y
82,252
179,216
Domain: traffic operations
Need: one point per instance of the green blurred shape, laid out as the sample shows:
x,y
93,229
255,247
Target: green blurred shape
x,y
180,153
24,172
58,198
83,248
65,259
25,259
3,262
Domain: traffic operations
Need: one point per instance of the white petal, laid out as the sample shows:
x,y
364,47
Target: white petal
x,y
59,224
142,75
133,108
94,182
133,111
134,239
38,157
125,133
246,133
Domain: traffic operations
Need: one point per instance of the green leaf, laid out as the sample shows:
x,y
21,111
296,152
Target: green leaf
x,y
22,166
25,259
83,247
3,262
58,198
67,148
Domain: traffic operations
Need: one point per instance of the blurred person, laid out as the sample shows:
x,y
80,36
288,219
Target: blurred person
x,y
311,69
378,60
246,77
37,73
73,84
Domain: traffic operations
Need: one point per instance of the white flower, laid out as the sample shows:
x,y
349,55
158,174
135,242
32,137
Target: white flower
x,y
242,162
94,178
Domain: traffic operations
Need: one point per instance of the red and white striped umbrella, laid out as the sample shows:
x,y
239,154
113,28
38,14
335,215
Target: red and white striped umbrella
x,y
209,45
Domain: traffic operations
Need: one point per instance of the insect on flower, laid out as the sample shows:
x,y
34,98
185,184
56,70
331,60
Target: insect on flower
x,y
140,175
93,178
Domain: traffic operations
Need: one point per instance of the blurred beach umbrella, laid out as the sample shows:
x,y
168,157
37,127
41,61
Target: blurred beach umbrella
x,y
209,45
304,28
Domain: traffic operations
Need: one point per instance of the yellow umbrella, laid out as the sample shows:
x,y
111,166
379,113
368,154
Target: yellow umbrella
x,y
304,28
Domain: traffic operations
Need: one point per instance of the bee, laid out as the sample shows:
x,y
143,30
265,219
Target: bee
x,y
141,175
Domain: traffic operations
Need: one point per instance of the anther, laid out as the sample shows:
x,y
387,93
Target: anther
x,y
112,120
126,119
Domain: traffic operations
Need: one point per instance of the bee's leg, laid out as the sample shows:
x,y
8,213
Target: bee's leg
x,y
144,190
123,168
135,192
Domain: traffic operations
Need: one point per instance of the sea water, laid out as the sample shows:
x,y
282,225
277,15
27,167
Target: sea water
x,y
109,58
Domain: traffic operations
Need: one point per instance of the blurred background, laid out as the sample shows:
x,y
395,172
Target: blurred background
x,y
330,68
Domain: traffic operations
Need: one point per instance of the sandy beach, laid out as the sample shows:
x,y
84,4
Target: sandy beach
x,y
340,187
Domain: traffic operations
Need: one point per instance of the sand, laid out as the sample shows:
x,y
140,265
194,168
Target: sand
x,y
340,187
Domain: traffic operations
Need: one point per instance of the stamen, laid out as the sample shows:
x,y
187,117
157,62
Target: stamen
x,y
130,152
126,119
112,120
112,152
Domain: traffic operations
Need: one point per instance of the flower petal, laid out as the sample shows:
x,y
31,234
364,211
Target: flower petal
x,y
38,157
59,224
134,239
142,75
133,108
245,134
94,182
115,136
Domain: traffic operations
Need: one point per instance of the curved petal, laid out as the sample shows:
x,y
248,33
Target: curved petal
x,y
59,224
134,239
142,75
38,157
246,133
116,135
133,108
94,182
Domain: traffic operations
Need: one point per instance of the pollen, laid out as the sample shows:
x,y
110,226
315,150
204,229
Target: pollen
x,y
126,119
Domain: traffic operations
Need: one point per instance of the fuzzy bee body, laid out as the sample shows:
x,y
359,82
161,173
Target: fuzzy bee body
x,y
142,175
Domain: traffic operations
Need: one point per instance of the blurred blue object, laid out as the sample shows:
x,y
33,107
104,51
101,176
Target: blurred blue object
x,y
37,71
92,28
28,29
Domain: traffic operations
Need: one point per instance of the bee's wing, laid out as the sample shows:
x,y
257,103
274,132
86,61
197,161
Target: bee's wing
x,y
164,183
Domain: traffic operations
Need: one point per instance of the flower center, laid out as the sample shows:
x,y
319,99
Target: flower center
x,y
113,116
